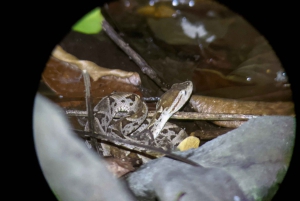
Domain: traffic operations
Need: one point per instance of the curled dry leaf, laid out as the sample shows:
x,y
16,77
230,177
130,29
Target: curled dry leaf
x,y
96,71
205,104
117,166
189,143
66,79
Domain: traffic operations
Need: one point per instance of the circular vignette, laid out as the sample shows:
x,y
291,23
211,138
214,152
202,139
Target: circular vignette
x,y
274,21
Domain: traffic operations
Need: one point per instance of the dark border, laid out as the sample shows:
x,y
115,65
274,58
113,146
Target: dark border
x,y
40,26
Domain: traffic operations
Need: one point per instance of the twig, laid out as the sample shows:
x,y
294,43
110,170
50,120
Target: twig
x,y
145,68
146,147
76,113
89,109
185,115
209,116
150,99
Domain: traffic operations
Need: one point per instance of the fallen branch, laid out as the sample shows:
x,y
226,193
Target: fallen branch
x,y
162,152
183,115
206,104
145,68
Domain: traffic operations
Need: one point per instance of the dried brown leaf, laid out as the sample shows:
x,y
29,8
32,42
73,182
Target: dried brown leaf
x,y
261,66
205,104
96,71
66,79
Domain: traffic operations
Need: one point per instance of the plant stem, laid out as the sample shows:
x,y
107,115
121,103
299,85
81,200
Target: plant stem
x,y
145,68
89,110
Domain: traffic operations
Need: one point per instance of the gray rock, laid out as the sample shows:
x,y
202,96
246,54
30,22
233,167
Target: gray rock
x,y
250,160
210,184
73,171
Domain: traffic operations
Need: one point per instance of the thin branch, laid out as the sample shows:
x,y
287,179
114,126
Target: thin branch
x,y
76,113
89,110
185,116
150,99
168,154
145,68
209,116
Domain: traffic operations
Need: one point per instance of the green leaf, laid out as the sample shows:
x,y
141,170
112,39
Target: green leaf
x,y
91,23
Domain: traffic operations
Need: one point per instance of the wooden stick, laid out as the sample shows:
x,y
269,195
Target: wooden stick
x,y
89,108
184,115
146,147
145,68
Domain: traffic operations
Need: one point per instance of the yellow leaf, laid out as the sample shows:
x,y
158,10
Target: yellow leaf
x,y
189,143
